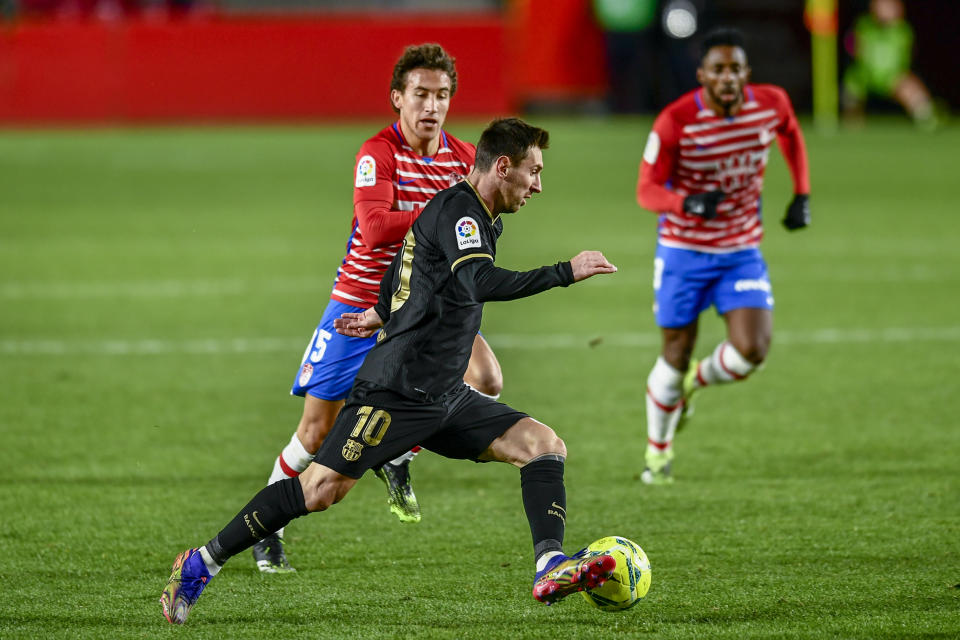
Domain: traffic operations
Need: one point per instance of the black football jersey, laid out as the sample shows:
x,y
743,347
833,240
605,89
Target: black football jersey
x,y
432,296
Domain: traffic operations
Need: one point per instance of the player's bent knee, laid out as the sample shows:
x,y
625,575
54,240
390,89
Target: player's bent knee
x,y
489,383
551,446
754,352
485,376
543,441
320,497
323,487
524,441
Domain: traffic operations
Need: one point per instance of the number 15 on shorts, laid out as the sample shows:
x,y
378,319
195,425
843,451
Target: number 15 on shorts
x,y
317,346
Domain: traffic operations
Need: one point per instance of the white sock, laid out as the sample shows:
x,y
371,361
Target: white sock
x,y
212,567
664,396
485,395
406,457
545,558
292,460
290,463
724,365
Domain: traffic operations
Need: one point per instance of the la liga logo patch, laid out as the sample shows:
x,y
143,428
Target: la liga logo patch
x,y
468,233
467,228
366,172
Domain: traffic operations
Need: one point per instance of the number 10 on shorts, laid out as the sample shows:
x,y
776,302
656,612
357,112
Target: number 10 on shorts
x,y
373,424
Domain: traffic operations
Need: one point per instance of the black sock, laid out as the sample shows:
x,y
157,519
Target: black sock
x,y
545,501
272,508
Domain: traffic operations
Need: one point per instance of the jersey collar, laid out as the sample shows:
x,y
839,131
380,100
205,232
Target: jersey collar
x,y
403,142
493,218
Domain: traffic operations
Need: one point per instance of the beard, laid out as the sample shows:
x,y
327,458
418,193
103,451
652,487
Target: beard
x,y
727,105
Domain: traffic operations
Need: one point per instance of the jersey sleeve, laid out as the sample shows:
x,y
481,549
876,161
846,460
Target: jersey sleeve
x,y
374,197
659,158
486,282
792,145
462,231
467,243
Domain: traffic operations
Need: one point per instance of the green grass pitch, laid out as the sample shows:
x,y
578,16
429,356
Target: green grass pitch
x,y
157,288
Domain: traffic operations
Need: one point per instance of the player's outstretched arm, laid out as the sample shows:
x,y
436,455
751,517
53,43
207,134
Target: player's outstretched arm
x,y
590,263
358,325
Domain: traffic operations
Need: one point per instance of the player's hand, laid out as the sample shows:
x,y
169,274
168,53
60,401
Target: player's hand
x,y
590,263
358,325
703,204
798,213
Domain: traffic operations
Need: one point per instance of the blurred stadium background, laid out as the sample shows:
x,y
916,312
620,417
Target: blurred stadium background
x,y
175,196
96,61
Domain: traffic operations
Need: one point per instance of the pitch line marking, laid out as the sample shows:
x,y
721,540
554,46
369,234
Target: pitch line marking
x,y
505,341
154,288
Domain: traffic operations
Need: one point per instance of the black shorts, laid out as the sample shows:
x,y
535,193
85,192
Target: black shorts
x,y
376,425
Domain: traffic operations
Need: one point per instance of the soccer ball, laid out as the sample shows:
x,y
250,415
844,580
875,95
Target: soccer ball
x,y
630,580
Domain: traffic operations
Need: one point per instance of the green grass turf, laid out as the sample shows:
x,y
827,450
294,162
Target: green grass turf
x,y
157,288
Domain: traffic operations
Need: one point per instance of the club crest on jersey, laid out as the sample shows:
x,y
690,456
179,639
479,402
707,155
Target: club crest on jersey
x,y
739,170
366,172
468,233
305,373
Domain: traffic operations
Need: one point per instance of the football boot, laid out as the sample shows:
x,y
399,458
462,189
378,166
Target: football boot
x,y
564,575
186,583
270,556
403,502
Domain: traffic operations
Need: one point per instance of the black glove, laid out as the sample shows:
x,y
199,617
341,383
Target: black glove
x,y
798,213
703,204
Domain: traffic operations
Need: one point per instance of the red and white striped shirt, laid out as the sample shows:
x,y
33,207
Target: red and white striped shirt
x,y
693,150
392,185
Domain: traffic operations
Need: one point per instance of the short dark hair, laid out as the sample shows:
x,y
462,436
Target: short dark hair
x,y
423,56
722,37
511,137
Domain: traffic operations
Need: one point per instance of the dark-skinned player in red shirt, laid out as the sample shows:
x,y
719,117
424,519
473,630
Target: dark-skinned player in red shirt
x,y
702,171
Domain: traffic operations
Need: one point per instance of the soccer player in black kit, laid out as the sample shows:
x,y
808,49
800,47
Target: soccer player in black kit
x,y
410,388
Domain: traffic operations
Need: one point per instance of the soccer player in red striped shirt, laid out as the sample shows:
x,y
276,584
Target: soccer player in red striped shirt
x,y
702,171
396,173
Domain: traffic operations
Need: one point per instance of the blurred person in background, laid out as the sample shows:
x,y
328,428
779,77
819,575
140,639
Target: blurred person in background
x,y
881,44
396,173
702,171
650,60
629,34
